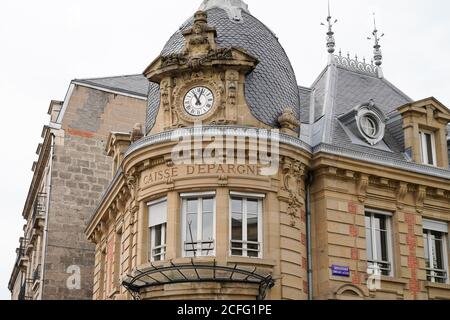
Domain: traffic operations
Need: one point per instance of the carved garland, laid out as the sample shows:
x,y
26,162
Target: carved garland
x,y
293,174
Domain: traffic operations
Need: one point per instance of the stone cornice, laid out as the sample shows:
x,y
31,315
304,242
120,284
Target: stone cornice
x,y
383,161
38,171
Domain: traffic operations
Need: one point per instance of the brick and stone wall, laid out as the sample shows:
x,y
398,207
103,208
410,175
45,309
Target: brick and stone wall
x,y
81,172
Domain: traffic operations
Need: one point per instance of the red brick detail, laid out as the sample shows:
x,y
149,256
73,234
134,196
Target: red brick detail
x,y
79,133
355,254
303,215
303,239
305,263
353,231
413,264
305,287
356,280
352,208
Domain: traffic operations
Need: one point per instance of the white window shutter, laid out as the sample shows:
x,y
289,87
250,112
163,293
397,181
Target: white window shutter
x,y
435,226
157,213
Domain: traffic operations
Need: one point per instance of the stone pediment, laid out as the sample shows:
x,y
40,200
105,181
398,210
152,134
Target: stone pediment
x,y
178,63
440,111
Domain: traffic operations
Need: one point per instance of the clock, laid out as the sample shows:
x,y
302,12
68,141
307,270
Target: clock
x,y
198,101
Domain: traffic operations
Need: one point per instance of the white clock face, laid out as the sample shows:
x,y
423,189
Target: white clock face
x,y
198,101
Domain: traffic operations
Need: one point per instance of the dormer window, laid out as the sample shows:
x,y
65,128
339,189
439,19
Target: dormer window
x,y
428,148
369,125
365,124
425,132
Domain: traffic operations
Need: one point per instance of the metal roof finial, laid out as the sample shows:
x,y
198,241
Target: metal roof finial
x,y
331,42
377,54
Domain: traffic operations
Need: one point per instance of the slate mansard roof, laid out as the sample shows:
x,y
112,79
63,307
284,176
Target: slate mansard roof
x,y
269,89
343,85
136,85
338,90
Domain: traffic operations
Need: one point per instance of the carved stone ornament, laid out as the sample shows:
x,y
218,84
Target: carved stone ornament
x,y
288,120
402,191
362,183
421,194
202,65
137,133
293,174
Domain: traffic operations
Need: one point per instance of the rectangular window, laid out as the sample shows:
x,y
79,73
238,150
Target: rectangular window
x,y
246,225
157,211
379,243
435,235
118,259
198,214
428,148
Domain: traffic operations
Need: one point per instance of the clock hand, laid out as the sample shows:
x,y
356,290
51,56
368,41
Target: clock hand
x,y
197,98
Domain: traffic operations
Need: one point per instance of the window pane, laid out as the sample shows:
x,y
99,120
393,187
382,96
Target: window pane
x,y
158,235
252,228
438,255
379,222
208,226
191,227
384,246
426,249
252,206
253,250
369,244
192,206
236,226
208,205
236,250
429,148
236,205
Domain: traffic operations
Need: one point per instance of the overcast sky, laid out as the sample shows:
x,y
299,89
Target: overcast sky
x,y
45,44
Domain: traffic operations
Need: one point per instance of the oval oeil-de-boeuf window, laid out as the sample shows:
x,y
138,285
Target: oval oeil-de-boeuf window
x,y
370,125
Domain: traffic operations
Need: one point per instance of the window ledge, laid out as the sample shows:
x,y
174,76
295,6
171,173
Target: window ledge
x,y
394,280
252,261
433,285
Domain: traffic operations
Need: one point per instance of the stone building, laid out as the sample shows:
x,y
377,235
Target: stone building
x,y
54,260
249,186
349,198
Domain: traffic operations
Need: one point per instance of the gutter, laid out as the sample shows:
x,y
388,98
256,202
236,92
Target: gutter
x,y
47,210
309,181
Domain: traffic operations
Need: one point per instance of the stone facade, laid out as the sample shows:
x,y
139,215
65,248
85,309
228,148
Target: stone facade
x,y
314,206
76,172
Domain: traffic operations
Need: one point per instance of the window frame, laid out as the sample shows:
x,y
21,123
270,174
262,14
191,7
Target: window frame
x,y
390,248
152,233
424,151
246,196
197,196
430,226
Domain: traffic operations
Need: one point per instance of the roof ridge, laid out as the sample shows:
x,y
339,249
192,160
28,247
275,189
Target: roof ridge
x,y
111,77
305,88
321,74
390,84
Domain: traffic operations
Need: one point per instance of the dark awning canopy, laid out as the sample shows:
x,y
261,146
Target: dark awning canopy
x,y
196,272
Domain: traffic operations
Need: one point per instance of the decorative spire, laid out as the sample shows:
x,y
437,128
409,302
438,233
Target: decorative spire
x,y
234,8
377,54
331,42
